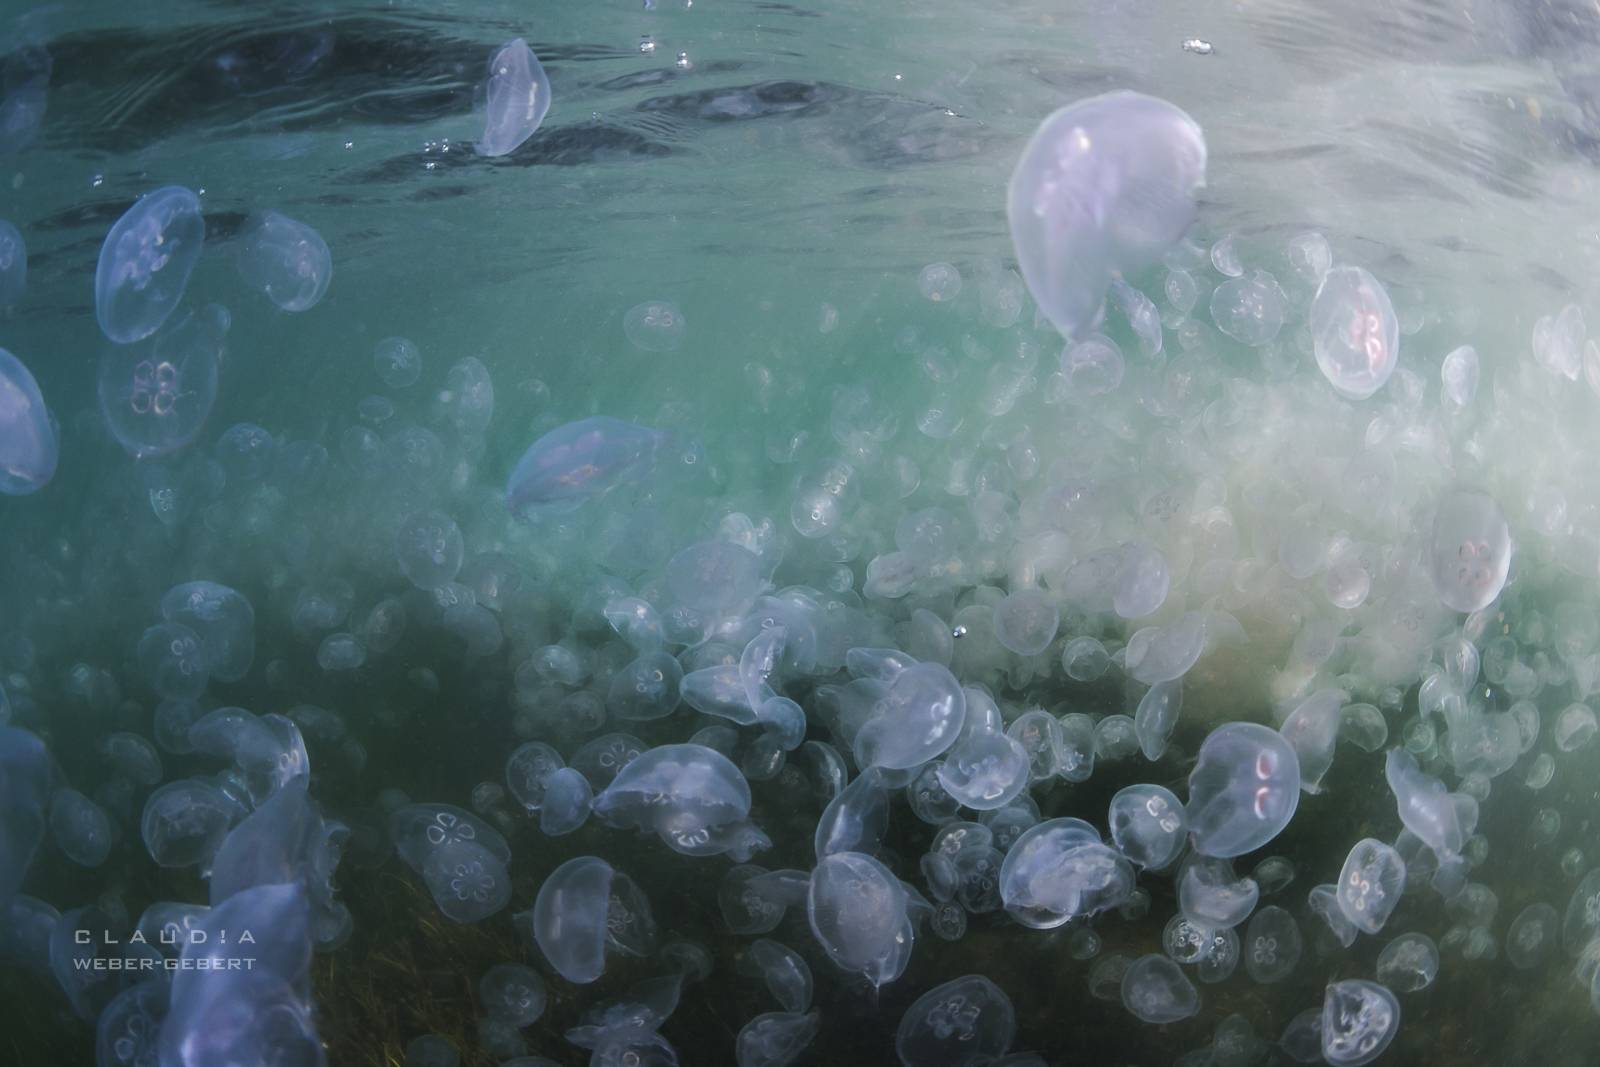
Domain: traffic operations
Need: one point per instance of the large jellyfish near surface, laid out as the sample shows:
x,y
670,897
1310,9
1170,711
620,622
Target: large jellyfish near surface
x,y
1354,332
145,263
28,435
155,395
518,98
1104,187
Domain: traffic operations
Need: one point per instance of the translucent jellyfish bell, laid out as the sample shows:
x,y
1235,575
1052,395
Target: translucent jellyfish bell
x,y
1243,790
28,433
284,258
967,1021
1354,331
857,909
916,718
580,460
513,994
1156,990
1026,622
692,796
13,263
1059,870
1147,825
1359,1019
1104,187
156,395
655,326
145,263
460,856
1370,884
222,619
518,97
428,547
1471,550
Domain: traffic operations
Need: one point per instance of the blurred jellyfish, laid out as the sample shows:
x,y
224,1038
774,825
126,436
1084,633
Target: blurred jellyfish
x,y
1355,332
654,326
284,258
29,437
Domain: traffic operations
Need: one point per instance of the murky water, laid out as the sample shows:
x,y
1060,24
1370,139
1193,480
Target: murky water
x,y
782,175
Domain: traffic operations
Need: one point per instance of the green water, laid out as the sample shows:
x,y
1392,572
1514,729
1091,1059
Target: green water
x,y
795,156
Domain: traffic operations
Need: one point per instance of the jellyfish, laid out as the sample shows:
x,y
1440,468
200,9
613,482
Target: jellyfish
x,y
1059,870
1354,331
968,1020
245,452
155,395
1408,963
79,827
184,823
857,910
654,326
579,461
693,797
1359,1019
145,263
1147,825
467,400
512,993
284,258
13,263
1243,790
1271,945
939,282
223,621
518,98
915,718
1471,550
460,857
397,361
1370,885
775,1039
584,909
1026,622
1104,187
1155,990
428,547
29,437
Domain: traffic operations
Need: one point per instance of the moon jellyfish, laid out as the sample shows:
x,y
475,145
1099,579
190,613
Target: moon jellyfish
x,y
693,797
1359,1019
1211,896
1533,934
1271,945
786,974
28,433
1147,825
245,452
1471,550
1460,374
1575,727
184,823
939,281
284,258
1156,990
1059,870
1370,884
654,326
460,857
1131,579
583,909
156,395
857,910
428,547
714,576
518,98
579,461
13,263
222,619
775,1038
1408,963
146,261
647,688
397,362
513,994
1243,790
80,827
967,1021
467,399
1104,187
1354,331
1249,310
915,718
1558,342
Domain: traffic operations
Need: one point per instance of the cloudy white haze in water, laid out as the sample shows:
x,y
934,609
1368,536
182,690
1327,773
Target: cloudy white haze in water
x,y
582,530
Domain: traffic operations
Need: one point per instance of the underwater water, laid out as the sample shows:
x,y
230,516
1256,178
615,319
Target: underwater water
x,y
597,548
